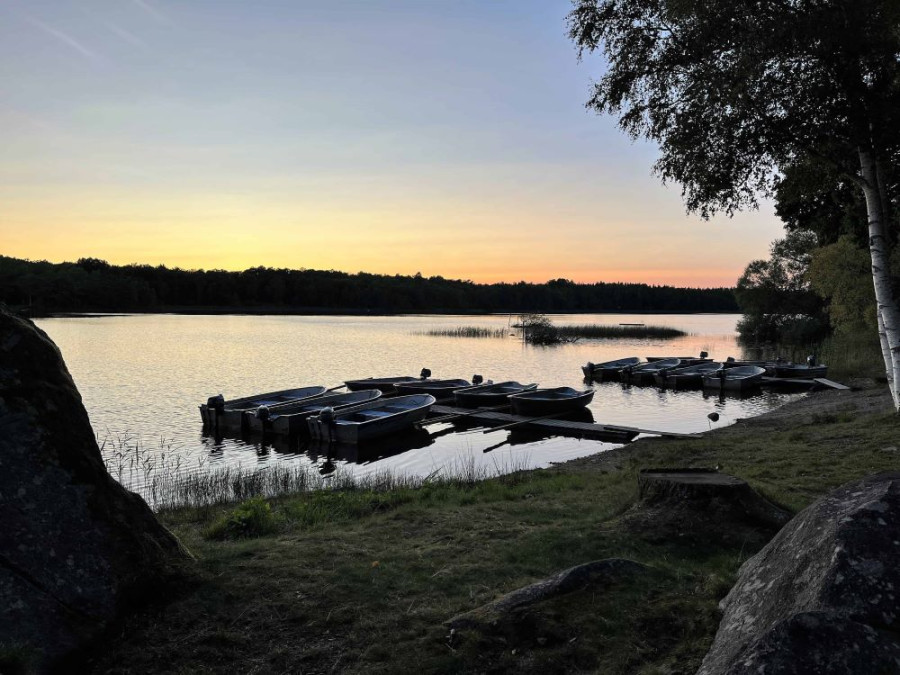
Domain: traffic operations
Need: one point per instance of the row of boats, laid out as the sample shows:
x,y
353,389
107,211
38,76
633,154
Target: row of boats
x,y
377,407
687,371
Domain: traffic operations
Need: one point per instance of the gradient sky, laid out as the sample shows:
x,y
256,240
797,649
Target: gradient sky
x,y
447,137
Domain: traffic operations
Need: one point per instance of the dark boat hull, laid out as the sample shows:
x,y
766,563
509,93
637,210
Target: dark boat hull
x,y
534,405
489,396
386,385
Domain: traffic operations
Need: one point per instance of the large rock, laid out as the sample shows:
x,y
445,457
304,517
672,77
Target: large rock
x,y
76,549
822,596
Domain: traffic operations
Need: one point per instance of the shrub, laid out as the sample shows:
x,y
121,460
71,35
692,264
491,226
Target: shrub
x,y
252,518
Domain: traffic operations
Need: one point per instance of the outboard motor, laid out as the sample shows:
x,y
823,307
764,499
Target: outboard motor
x,y
730,359
326,416
811,360
215,406
425,374
477,379
262,413
703,355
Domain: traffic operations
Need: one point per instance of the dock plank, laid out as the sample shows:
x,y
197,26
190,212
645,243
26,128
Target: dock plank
x,y
831,383
584,429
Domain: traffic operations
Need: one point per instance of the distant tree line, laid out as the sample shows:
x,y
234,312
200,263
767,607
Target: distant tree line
x,y
95,285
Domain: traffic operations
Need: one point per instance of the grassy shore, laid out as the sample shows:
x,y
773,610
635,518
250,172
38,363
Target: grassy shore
x,y
362,580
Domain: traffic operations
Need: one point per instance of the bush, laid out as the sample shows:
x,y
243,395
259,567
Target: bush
x,y
253,518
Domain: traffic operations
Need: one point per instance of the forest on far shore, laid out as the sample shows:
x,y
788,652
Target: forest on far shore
x,y
93,285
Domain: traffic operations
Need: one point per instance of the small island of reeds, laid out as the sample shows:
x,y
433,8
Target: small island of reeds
x,y
538,329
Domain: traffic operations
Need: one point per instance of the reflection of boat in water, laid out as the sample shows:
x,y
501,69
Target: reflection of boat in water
x,y
373,450
524,435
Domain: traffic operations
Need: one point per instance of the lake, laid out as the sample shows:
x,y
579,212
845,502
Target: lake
x,y
142,378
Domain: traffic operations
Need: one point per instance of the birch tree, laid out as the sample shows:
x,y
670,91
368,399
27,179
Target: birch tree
x,y
731,90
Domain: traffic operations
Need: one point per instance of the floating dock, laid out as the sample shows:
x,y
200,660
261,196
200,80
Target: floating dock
x,y
562,427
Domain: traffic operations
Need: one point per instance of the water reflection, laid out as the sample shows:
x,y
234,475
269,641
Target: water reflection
x,y
152,393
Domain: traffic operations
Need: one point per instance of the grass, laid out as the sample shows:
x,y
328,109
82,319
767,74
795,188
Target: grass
x,y
466,332
361,580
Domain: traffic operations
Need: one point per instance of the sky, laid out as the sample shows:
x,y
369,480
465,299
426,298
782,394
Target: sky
x,y
446,137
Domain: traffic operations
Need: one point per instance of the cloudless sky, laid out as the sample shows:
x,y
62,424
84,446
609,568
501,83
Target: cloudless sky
x,y
447,137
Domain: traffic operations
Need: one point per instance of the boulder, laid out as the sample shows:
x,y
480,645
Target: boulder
x,y
821,597
76,548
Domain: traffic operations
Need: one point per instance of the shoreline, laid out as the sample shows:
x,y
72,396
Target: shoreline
x,y
270,311
369,579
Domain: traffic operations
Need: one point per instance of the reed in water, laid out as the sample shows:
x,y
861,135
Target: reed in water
x,y
465,332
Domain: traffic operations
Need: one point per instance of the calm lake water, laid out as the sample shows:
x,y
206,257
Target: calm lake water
x,y
143,376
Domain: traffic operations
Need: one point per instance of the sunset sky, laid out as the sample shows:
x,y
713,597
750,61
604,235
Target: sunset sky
x,y
447,137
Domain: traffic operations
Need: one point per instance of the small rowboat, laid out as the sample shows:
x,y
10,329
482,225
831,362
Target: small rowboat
x,y
489,394
219,412
290,418
689,376
608,369
645,372
554,401
796,370
386,385
738,378
437,388
375,419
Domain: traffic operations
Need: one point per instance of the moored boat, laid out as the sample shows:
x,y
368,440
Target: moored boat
x,y
489,394
739,378
685,360
375,419
440,389
552,401
608,369
218,411
688,376
290,418
797,370
645,372
386,385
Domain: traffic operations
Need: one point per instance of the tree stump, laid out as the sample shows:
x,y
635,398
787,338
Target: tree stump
x,y
707,489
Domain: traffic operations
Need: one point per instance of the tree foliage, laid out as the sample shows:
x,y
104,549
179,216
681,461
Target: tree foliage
x,y
734,90
775,295
92,285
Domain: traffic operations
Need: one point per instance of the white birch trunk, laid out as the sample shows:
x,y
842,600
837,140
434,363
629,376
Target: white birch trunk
x,y
879,248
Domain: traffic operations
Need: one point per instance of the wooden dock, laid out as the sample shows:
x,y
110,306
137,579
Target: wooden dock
x,y
590,430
